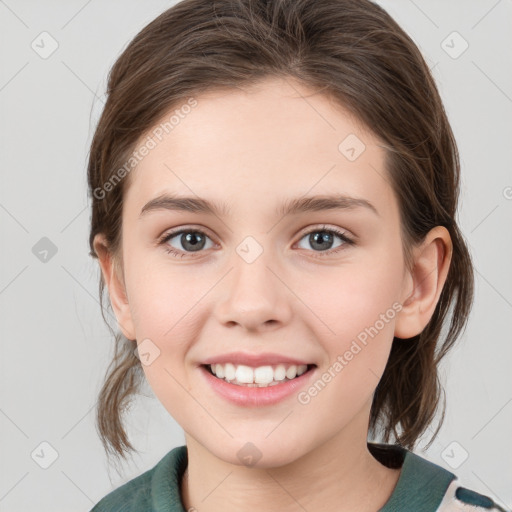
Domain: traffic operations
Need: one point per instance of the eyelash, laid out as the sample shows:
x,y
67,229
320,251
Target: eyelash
x,y
319,254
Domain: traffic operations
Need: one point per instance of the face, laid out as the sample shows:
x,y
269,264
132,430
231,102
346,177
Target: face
x,y
256,285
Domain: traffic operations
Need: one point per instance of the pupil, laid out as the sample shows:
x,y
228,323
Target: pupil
x,y
325,237
193,239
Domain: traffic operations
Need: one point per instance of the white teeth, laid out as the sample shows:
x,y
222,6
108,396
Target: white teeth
x,y
244,374
280,372
229,371
262,376
219,370
291,372
301,369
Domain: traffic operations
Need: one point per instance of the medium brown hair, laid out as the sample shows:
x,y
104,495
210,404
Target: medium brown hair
x,y
353,52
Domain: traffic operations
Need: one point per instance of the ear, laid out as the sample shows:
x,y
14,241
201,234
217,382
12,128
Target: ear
x,y
431,264
116,287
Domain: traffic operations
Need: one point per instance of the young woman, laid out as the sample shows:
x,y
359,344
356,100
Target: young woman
x,y
274,188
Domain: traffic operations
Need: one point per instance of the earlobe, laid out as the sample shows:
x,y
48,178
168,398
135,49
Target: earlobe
x,y
431,264
115,286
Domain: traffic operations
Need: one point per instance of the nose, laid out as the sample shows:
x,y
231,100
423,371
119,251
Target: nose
x,y
254,295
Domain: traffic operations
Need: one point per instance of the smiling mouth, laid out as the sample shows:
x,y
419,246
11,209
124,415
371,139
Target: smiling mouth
x,y
261,376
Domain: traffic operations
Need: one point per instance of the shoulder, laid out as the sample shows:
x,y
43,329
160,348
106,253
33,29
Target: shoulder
x,y
155,489
458,497
427,487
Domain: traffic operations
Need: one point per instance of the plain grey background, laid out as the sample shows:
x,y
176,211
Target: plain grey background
x,y
54,345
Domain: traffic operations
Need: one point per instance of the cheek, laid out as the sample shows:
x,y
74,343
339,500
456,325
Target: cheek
x,y
357,315
354,297
163,299
165,305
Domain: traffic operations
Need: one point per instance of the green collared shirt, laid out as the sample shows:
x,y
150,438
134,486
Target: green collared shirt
x,y
422,486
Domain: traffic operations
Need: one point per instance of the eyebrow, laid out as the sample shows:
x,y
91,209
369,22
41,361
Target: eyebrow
x,y
289,207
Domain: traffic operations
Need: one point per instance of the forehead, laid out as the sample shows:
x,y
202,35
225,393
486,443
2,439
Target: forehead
x,y
249,147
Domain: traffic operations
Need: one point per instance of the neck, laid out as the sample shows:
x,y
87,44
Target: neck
x,y
352,479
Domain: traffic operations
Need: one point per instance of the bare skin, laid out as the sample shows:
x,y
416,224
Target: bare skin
x,y
252,150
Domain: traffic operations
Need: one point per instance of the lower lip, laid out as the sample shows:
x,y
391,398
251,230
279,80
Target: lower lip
x,y
255,396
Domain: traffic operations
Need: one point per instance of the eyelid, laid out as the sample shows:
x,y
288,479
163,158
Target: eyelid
x,y
347,238
206,231
326,227
175,231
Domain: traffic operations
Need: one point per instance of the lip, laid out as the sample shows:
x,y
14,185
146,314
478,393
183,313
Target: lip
x,y
254,360
254,396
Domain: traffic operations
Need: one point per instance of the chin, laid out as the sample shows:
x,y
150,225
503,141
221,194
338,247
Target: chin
x,y
259,453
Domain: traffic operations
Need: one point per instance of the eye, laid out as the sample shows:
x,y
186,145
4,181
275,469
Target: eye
x,y
322,238
192,240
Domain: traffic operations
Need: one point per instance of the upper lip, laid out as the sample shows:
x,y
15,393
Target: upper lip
x,y
254,360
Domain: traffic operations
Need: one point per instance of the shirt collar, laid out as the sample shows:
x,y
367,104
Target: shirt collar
x,y
421,485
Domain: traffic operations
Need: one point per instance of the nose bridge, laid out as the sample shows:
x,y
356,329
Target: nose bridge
x,y
252,278
254,295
